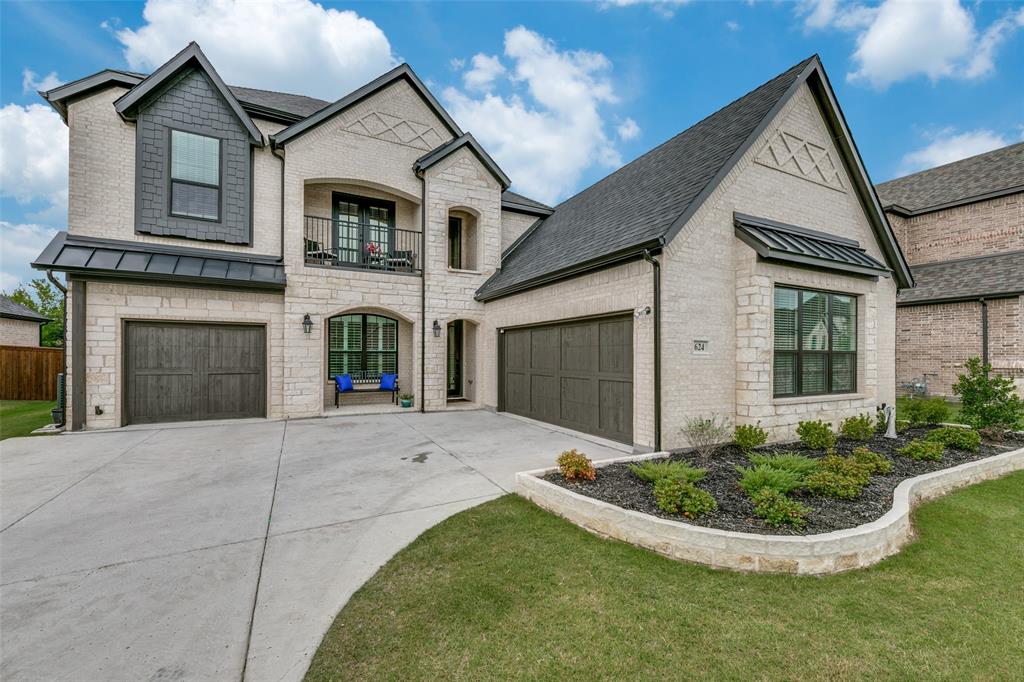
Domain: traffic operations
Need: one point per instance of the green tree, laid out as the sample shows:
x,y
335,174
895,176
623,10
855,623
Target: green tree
x,y
45,299
987,399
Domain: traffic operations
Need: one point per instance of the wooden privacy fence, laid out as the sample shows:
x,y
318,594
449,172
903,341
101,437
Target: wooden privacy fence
x,y
28,373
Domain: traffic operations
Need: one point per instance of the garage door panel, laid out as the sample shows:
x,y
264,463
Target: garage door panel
x,y
192,371
577,374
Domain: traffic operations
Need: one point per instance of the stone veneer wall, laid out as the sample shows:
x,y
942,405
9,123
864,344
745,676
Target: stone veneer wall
x,y
723,294
978,229
18,332
936,340
109,305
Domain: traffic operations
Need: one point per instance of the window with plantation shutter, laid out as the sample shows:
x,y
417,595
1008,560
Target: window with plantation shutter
x,y
195,175
815,342
362,346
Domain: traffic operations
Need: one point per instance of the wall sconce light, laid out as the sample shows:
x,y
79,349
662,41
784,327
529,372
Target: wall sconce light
x,y
437,329
307,324
642,311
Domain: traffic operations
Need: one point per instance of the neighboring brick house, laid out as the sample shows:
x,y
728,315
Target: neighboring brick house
x,y
961,227
372,234
20,325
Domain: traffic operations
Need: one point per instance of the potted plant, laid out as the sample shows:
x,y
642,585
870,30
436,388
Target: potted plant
x,y
406,399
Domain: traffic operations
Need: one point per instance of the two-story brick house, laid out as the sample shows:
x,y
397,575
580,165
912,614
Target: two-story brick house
x,y
961,226
231,250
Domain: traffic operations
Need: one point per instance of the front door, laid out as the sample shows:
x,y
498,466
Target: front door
x,y
455,359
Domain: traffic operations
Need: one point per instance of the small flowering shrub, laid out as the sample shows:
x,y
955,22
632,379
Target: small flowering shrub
x,y
816,435
762,476
787,461
956,437
778,510
676,471
877,463
922,450
750,436
858,428
575,465
676,497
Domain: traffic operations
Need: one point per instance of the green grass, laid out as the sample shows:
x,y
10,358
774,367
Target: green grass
x,y
507,590
22,417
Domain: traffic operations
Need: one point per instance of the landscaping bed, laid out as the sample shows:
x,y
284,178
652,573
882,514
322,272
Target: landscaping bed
x,y
617,484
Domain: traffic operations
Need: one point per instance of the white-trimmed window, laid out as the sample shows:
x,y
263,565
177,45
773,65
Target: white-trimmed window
x,y
815,342
195,175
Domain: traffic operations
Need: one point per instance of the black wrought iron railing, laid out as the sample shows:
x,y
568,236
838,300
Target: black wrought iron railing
x,y
351,244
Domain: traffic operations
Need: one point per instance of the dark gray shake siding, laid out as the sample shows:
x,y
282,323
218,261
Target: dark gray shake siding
x,y
191,103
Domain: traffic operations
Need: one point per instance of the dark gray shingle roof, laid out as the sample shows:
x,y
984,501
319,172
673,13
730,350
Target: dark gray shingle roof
x,y
16,311
992,276
956,182
514,200
296,105
157,262
639,203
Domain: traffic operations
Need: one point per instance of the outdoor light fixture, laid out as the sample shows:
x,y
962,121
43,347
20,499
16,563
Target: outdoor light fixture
x,y
307,324
641,311
437,328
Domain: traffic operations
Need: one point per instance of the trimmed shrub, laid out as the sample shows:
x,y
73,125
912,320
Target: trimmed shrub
x,y
676,497
758,477
848,467
706,434
924,411
575,465
881,426
787,461
993,434
676,471
832,484
922,450
778,510
875,462
750,436
956,437
858,428
817,435
988,399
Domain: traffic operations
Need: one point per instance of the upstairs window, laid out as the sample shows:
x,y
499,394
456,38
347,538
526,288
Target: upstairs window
x,y
815,342
455,242
195,175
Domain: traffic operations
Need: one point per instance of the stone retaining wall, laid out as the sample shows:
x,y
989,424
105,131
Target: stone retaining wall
x,y
820,554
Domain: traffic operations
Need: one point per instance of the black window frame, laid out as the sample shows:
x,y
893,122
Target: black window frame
x,y
455,225
800,353
172,181
363,352
365,229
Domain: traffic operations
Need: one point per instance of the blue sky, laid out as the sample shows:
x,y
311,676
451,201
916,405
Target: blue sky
x,y
560,93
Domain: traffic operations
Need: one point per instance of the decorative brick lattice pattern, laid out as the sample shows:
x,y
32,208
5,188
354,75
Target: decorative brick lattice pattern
x,y
396,129
801,157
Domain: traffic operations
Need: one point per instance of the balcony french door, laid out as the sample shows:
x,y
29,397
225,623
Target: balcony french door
x,y
364,228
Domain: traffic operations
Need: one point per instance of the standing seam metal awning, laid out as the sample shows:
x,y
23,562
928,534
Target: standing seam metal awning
x,y
157,262
802,246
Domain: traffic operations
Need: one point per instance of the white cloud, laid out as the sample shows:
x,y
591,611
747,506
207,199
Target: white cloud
x,y
549,128
666,8
31,82
628,130
484,71
34,158
19,246
901,39
456,64
732,26
288,45
948,146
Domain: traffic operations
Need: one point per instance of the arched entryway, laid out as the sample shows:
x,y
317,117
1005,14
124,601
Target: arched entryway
x,y
461,361
366,343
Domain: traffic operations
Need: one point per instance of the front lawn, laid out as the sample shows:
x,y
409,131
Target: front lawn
x,y
22,417
506,590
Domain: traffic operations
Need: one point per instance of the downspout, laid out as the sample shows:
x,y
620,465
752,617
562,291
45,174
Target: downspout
x,y
656,271
984,331
273,150
423,290
64,342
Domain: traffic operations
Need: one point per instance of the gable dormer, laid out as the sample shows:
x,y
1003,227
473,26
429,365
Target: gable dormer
x,y
193,153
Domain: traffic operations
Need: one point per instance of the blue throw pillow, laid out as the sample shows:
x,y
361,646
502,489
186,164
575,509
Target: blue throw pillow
x,y
344,383
388,381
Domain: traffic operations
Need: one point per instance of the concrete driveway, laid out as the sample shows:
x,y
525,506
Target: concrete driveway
x,y
224,552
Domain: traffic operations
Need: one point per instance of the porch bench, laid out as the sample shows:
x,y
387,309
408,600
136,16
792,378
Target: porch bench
x,y
364,392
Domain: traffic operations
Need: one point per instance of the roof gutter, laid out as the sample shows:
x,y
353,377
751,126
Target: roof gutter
x,y
615,258
960,299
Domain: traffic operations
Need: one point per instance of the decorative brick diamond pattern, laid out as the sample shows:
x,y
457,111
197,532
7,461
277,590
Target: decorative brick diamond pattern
x,y
802,158
394,129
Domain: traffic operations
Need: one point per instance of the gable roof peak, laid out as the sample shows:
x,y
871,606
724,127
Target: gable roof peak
x,y
191,56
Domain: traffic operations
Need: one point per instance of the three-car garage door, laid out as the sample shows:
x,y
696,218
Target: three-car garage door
x,y
575,374
184,371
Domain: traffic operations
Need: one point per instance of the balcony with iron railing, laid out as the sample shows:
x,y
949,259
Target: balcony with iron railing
x,y
360,245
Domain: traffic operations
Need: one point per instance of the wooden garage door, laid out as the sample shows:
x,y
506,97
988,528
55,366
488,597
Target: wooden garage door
x,y
574,374
184,371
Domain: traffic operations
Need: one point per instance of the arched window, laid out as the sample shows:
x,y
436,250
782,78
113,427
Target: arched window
x,y
362,346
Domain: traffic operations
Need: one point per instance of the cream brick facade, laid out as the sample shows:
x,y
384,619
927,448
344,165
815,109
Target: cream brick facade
x,y
18,332
513,225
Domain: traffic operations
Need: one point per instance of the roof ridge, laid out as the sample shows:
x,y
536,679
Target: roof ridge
x,y
947,165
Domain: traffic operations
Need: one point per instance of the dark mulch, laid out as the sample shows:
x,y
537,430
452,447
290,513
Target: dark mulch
x,y
617,485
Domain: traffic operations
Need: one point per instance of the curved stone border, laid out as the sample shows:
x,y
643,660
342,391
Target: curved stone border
x,y
825,553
